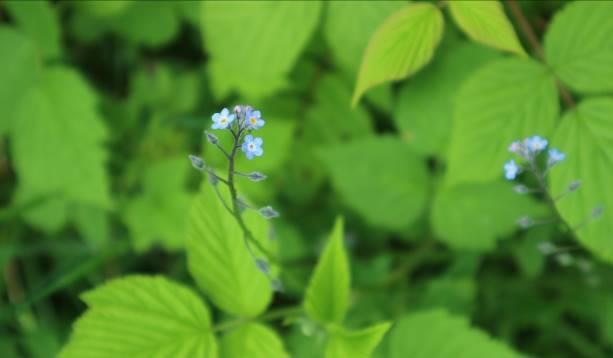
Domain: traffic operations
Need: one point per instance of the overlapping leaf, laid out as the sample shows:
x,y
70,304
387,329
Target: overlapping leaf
x,y
140,316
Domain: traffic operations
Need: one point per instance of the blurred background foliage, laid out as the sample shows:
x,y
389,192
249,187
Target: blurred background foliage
x,y
102,101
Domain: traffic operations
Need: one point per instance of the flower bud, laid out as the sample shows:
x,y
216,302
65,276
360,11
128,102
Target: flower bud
x,y
256,176
212,138
546,248
525,222
565,259
268,212
597,212
574,186
262,266
521,189
197,162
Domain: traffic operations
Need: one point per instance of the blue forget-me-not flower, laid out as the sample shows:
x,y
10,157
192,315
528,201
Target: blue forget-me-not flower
x,y
253,119
555,156
511,169
223,119
252,146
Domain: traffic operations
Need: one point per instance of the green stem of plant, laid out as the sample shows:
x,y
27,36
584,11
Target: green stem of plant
x,y
283,312
249,238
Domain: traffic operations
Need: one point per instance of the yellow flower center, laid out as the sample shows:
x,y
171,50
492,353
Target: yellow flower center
x,y
223,120
253,120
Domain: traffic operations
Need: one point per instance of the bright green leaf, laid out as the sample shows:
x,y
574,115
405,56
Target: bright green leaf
x,y
327,296
380,178
252,340
586,136
57,145
19,70
427,127
140,316
437,334
218,258
579,46
504,101
39,21
158,214
263,49
486,23
492,209
400,47
356,344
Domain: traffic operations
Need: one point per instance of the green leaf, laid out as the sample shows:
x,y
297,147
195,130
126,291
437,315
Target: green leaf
x,y
58,150
579,46
158,214
586,136
356,344
252,340
331,119
263,49
218,258
427,127
141,316
38,20
151,23
401,46
381,179
504,101
19,70
348,26
485,22
437,334
327,296
492,209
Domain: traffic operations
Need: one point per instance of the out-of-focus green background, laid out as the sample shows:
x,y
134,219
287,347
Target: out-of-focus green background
x,y
102,101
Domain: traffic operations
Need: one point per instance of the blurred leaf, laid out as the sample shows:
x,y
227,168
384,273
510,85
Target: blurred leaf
x,y
142,316
586,136
252,340
150,23
530,259
38,20
218,258
19,70
579,46
492,209
381,179
424,105
455,294
158,215
93,224
401,46
435,333
504,101
331,119
262,50
356,344
57,147
486,23
103,8
41,342
327,296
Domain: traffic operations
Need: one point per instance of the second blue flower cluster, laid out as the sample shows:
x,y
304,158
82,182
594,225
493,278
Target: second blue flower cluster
x,y
529,149
242,118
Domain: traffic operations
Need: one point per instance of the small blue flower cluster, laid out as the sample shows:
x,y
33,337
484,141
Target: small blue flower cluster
x,y
243,118
529,149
